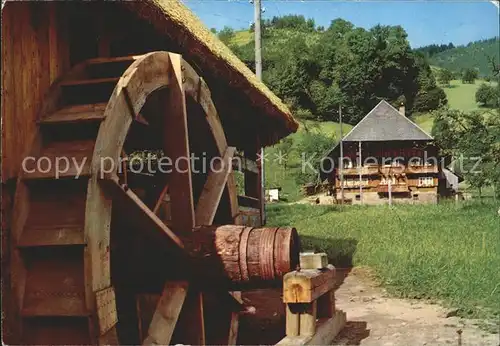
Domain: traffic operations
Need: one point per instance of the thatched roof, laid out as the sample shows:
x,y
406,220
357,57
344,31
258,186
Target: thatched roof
x,y
203,49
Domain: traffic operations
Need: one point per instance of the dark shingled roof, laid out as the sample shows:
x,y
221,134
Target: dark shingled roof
x,y
385,123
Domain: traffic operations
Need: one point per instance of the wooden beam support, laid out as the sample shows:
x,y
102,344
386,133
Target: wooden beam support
x,y
213,189
307,324
250,202
307,285
244,164
167,313
326,332
137,210
292,320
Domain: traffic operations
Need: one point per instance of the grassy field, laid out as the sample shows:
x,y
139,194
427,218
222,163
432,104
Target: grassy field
x,y
241,38
460,96
447,252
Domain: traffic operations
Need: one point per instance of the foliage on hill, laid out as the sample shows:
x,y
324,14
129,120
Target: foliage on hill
x,y
478,55
488,95
315,69
473,138
432,49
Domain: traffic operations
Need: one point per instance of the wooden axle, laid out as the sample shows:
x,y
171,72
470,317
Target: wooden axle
x,y
241,256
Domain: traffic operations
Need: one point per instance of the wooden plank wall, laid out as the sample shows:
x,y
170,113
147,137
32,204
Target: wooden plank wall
x,y
33,56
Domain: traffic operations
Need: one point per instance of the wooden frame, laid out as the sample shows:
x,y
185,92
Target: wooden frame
x,y
311,317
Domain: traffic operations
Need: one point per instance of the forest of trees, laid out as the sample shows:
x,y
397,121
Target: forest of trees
x,y
481,56
316,69
431,50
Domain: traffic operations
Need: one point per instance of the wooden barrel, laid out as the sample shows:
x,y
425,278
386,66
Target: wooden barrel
x,y
245,255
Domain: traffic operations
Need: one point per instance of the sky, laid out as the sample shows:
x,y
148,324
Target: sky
x,y
426,22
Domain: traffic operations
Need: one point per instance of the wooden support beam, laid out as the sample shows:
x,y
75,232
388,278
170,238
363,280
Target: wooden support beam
x,y
212,191
138,211
167,313
244,164
307,324
292,320
250,202
307,285
326,332
329,329
326,305
233,328
191,324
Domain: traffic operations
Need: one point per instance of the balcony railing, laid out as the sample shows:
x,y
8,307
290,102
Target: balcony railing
x,y
365,170
389,170
414,169
394,188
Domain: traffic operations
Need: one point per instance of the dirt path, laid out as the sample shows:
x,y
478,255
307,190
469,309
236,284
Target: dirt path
x,y
373,319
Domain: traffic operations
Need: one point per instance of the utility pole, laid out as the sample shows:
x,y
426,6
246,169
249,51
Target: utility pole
x,y
258,73
360,167
341,162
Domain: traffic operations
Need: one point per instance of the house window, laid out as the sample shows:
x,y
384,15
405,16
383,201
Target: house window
x,y
347,164
358,198
397,162
425,181
355,182
385,181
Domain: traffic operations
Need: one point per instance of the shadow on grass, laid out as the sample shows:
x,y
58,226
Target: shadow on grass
x,y
340,251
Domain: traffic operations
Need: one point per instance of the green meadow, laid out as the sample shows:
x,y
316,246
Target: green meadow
x,y
448,253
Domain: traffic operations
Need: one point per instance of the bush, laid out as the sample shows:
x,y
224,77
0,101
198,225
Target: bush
x,y
488,96
429,100
469,76
226,34
312,147
444,76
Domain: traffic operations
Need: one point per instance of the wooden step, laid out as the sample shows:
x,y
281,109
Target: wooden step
x,y
56,205
87,91
91,81
52,236
60,330
61,160
129,58
76,114
108,67
54,283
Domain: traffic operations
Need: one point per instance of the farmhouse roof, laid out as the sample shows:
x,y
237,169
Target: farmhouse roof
x,y
385,123
174,20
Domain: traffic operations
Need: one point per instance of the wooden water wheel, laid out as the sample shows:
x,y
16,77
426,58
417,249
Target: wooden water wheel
x,y
92,236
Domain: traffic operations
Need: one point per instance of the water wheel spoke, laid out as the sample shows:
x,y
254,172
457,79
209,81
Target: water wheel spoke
x,y
214,187
177,149
167,314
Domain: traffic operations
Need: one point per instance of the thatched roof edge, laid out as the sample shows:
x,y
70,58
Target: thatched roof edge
x,y
206,49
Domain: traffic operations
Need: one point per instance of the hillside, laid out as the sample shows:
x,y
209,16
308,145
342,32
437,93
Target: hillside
x,y
312,70
474,55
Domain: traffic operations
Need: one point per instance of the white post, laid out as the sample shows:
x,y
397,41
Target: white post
x,y
389,186
360,165
341,163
